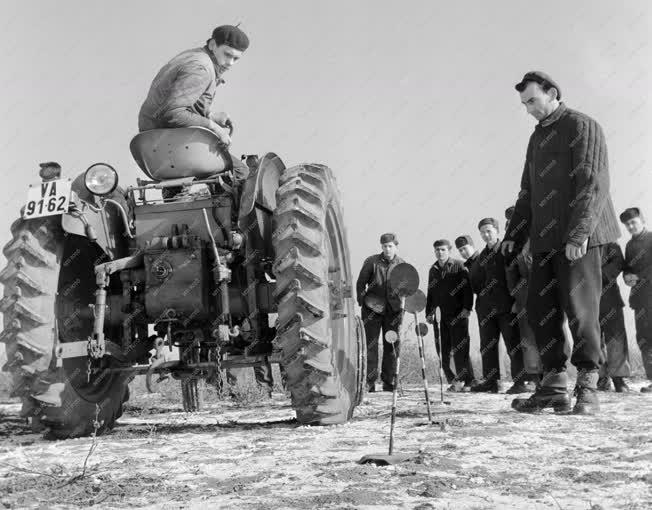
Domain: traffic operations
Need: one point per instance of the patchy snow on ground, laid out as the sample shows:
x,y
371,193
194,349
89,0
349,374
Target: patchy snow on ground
x,y
478,454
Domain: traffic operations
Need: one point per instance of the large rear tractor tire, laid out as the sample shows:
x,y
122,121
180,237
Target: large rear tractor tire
x,y
30,281
316,330
77,405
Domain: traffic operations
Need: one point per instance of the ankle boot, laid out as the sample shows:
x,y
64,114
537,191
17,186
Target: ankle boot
x,y
621,385
587,393
604,383
551,394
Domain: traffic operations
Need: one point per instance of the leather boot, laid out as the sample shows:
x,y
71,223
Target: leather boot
x,y
518,387
587,393
551,394
604,383
621,385
486,386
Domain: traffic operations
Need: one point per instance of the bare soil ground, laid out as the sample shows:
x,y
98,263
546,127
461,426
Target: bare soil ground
x,y
479,454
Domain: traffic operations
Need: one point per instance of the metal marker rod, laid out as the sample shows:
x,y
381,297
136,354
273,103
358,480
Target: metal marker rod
x,y
423,366
394,398
396,372
441,365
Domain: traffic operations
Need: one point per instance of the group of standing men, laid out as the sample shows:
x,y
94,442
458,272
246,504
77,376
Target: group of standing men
x,y
559,260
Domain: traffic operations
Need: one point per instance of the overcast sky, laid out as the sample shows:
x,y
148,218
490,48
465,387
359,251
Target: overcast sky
x,y
411,103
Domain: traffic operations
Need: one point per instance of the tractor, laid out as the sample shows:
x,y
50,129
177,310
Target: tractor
x,y
102,283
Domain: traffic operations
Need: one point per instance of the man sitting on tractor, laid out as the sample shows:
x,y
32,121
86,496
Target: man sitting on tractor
x,y
182,92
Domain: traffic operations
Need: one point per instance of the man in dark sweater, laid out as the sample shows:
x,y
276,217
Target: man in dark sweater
x,y
494,308
638,275
612,322
381,310
565,209
449,289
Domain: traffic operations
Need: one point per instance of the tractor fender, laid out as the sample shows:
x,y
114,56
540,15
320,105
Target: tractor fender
x,y
258,201
260,188
105,223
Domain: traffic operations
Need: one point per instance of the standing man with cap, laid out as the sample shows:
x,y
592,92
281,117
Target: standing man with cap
x,y
494,308
381,310
449,289
638,275
615,354
565,209
182,92
518,275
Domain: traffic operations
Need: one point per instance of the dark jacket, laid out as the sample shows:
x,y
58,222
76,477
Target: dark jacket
x,y
373,279
493,294
449,288
475,275
613,263
517,274
564,195
638,261
182,92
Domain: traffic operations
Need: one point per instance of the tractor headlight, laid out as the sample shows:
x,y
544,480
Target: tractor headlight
x,y
100,179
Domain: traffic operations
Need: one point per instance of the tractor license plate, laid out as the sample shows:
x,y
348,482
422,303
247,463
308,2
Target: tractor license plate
x,y
47,199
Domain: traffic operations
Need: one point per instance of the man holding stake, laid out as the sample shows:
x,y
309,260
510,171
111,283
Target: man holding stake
x,y
381,310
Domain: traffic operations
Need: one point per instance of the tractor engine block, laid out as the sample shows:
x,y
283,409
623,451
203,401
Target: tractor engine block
x,y
177,280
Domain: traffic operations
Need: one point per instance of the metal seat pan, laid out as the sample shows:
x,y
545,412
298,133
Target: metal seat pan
x,y
179,152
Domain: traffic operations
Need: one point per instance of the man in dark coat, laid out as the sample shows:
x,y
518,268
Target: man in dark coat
x,y
381,310
494,308
638,275
565,209
449,289
612,322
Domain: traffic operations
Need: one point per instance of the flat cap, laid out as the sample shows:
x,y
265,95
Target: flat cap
x,y
231,36
488,221
629,213
509,212
442,242
389,237
463,241
537,77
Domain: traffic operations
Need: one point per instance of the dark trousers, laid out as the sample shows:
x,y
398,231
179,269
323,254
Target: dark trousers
x,y
614,344
531,356
559,286
455,342
492,325
263,374
374,324
643,318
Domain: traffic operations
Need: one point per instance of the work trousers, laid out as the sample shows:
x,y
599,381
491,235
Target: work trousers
x,y
531,356
643,319
262,373
559,286
615,353
492,325
374,324
455,343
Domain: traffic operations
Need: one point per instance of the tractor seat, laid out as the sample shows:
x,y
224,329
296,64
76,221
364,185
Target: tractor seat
x,y
179,152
